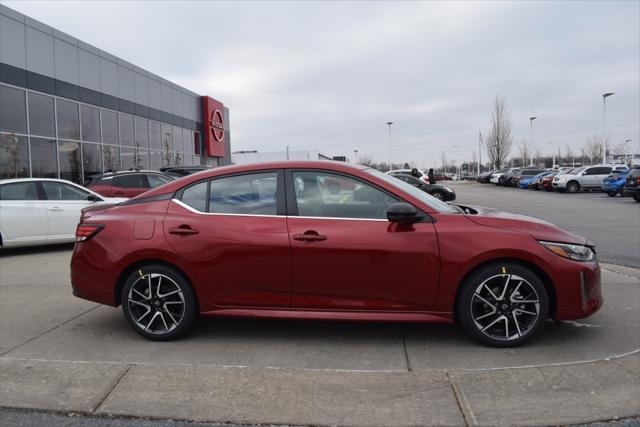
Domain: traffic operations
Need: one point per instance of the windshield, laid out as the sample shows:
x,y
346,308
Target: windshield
x,y
425,198
576,171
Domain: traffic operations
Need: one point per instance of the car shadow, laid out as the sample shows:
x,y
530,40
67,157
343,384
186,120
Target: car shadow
x,y
32,250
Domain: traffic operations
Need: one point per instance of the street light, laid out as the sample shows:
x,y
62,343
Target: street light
x,y
355,156
531,119
604,126
389,154
626,152
553,155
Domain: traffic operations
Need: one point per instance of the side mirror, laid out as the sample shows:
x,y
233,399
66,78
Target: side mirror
x,y
93,198
403,212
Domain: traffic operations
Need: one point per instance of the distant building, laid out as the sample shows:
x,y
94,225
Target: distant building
x,y
69,110
244,157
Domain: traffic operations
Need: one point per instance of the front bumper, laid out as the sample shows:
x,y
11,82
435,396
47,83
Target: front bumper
x,y
559,184
578,289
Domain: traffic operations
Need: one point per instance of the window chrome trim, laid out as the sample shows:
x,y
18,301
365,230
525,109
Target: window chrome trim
x,y
189,208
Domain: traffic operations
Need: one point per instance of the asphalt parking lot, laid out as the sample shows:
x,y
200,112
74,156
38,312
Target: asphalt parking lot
x,y
59,353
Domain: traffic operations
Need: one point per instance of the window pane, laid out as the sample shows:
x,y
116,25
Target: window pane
x,y
246,194
111,158
19,191
91,160
129,181
167,145
142,159
70,161
155,136
126,130
60,191
196,196
177,139
128,158
43,158
196,160
177,159
13,113
156,159
337,196
187,143
14,156
157,180
68,121
142,133
90,118
41,115
109,127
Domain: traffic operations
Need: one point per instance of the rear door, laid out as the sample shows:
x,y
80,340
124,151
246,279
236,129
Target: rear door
x,y
23,217
129,185
232,231
63,204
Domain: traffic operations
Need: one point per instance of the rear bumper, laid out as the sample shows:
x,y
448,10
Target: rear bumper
x,y
93,276
630,191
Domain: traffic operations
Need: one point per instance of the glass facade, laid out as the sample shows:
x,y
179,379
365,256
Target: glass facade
x,y
53,137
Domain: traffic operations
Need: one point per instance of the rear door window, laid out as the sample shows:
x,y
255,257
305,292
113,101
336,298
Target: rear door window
x,y
250,194
19,191
129,181
196,196
157,180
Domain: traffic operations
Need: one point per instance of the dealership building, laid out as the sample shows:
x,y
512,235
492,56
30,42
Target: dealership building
x,y
70,110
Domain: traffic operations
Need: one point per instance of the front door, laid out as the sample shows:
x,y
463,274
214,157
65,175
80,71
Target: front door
x,y
232,232
347,255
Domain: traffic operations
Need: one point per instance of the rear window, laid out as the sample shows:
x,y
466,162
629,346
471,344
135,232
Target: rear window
x,y
19,191
129,181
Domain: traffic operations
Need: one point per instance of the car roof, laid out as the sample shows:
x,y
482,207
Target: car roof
x,y
330,165
9,180
117,173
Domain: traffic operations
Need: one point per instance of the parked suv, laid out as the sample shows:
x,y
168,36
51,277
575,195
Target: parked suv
x,y
584,178
127,183
632,186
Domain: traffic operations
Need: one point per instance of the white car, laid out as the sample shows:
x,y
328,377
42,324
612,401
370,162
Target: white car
x,y
40,211
586,177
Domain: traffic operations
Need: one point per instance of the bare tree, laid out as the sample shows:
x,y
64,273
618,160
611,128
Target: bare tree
x,y
524,148
365,160
593,149
498,142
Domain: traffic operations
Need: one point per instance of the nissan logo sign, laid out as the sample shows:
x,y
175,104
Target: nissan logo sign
x,y
217,125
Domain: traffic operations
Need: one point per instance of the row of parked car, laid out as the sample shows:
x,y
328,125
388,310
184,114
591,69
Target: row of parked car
x,y
609,179
35,211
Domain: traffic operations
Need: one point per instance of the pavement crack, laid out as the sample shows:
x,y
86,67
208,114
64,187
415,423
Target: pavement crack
x,y
111,388
48,330
406,353
461,400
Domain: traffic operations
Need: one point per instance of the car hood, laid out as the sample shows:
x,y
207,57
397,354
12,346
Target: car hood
x,y
537,228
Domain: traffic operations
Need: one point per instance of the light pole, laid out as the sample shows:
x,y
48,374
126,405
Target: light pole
x,y
553,155
389,154
479,151
604,126
531,119
355,156
626,153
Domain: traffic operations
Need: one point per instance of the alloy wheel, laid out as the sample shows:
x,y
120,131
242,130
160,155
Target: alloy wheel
x,y
505,307
156,303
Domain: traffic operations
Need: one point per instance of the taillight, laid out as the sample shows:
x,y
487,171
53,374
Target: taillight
x,y
86,231
638,180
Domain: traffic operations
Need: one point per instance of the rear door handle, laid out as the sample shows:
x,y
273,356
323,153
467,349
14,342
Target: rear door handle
x,y
309,237
183,231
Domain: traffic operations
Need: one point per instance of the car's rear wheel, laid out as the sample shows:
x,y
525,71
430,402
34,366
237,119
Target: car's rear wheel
x,y
612,193
503,305
573,187
158,302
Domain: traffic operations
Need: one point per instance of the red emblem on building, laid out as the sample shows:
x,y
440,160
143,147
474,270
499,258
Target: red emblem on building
x,y
212,112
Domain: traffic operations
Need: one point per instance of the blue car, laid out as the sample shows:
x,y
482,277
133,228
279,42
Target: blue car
x,y
613,184
531,181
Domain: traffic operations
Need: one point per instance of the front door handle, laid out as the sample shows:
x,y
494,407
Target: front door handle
x,y
183,230
55,209
309,236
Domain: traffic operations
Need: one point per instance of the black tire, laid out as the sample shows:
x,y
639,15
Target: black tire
x,y
169,287
612,193
573,187
636,197
469,302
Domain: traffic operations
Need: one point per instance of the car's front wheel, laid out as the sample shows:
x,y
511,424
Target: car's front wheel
x,y
612,193
503,305
158,302
573,187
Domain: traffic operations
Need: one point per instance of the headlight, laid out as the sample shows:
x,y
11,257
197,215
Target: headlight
x,y
574,252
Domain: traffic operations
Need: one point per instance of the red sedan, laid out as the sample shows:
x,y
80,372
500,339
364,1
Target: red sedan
x,y
272,241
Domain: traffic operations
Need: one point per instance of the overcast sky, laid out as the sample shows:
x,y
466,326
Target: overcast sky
x,y
328,75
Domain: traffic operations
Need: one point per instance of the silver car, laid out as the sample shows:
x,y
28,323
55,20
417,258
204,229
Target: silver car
x,y
584,178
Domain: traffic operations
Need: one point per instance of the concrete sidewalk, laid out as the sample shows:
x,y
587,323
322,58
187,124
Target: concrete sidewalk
x,y
547,395
59,353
